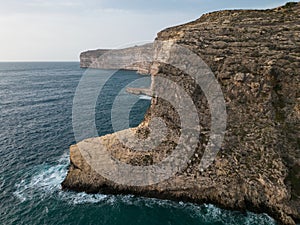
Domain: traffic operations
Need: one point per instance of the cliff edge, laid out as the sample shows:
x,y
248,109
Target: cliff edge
x,y
96,58
255,56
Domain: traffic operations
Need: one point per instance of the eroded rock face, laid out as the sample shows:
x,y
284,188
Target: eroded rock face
x,y
129,58
255,56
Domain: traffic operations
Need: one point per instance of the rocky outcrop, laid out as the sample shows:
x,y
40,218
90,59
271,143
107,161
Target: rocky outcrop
x,y
255,56
130,57
139,91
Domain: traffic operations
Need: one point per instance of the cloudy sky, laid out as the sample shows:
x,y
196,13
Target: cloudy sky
x,y
58,30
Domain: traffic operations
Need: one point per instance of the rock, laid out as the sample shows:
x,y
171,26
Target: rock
x,y
239,77
139,91
132,58
255,56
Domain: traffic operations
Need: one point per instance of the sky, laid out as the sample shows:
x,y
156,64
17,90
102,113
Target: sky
x,y
58,30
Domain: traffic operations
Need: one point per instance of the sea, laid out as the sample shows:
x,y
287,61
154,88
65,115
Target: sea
x,y
36,104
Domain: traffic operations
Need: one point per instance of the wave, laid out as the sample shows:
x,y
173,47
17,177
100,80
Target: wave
x,y
45,183
46,180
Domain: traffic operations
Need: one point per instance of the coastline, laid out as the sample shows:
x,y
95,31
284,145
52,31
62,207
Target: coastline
x,y
258,166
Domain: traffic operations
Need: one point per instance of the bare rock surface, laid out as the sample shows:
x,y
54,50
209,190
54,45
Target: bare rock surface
x,y
255,56
106,58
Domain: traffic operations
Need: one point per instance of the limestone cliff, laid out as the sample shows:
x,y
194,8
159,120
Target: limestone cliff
x,y
95,59
255,56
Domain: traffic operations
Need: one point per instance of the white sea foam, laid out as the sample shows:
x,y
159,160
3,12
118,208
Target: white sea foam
x,y
145,97
45,183
82,198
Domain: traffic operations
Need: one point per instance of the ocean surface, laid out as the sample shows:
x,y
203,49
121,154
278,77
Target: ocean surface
x,y
35,134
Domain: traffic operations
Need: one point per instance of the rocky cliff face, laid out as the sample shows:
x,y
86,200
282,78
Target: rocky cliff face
x,y
255,56
104,58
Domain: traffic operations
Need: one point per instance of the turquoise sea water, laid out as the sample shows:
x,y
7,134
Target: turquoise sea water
x,y
35,135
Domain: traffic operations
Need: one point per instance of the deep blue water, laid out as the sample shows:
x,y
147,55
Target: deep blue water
x,y
35,134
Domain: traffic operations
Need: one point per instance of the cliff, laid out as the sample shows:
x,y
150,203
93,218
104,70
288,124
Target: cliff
x,y
94,58
255,57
